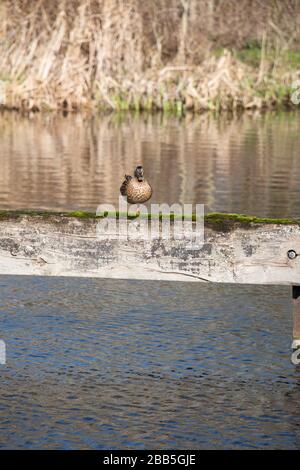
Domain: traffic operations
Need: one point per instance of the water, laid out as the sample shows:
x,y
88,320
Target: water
x,y
128,364
249,164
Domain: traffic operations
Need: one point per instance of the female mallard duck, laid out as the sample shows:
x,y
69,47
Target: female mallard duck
x,y
136,189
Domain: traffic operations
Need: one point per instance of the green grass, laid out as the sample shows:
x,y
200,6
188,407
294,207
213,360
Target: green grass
x,y
273,90
251,55
293,58
5,78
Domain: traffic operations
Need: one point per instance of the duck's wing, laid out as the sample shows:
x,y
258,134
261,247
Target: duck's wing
x,y
123,188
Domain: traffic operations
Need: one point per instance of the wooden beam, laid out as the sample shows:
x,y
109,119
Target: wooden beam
x,y
296,316
236,249
295,358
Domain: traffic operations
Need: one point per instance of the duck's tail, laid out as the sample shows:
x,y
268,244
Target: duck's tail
x,y
123,188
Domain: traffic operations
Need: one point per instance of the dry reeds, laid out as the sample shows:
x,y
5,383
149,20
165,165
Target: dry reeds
x,y
126,54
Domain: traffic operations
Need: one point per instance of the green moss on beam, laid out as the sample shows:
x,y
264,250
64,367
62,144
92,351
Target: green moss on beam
x,y
217,221
225,222
13,214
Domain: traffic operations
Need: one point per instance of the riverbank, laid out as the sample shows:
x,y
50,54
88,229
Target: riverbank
x,y
111,56
219,84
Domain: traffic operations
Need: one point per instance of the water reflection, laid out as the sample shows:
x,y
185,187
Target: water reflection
x,y
247,164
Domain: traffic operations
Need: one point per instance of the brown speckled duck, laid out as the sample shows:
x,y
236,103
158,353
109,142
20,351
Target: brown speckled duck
x,y
135,188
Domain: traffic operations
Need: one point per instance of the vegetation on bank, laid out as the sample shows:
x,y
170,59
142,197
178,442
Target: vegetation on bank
x,y
170,55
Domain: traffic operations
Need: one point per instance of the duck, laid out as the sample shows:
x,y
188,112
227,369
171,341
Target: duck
x,y
136,188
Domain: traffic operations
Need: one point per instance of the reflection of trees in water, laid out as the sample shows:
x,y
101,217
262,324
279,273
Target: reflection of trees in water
x,y
243,164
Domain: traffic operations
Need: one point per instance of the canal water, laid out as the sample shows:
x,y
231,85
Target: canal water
x,y
248,164
108,364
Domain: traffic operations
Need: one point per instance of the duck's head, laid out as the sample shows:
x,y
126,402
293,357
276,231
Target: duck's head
x,y
139,173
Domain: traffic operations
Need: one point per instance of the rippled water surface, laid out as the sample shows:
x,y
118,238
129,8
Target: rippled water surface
x,y
127,364
248,164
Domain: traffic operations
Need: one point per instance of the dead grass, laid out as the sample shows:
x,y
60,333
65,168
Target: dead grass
x,y
119,55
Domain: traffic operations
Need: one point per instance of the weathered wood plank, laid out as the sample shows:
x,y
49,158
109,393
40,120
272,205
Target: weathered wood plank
x,y
296,316
235,250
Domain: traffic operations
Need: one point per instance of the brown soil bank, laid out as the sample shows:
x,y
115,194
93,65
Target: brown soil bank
x,y
170,55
